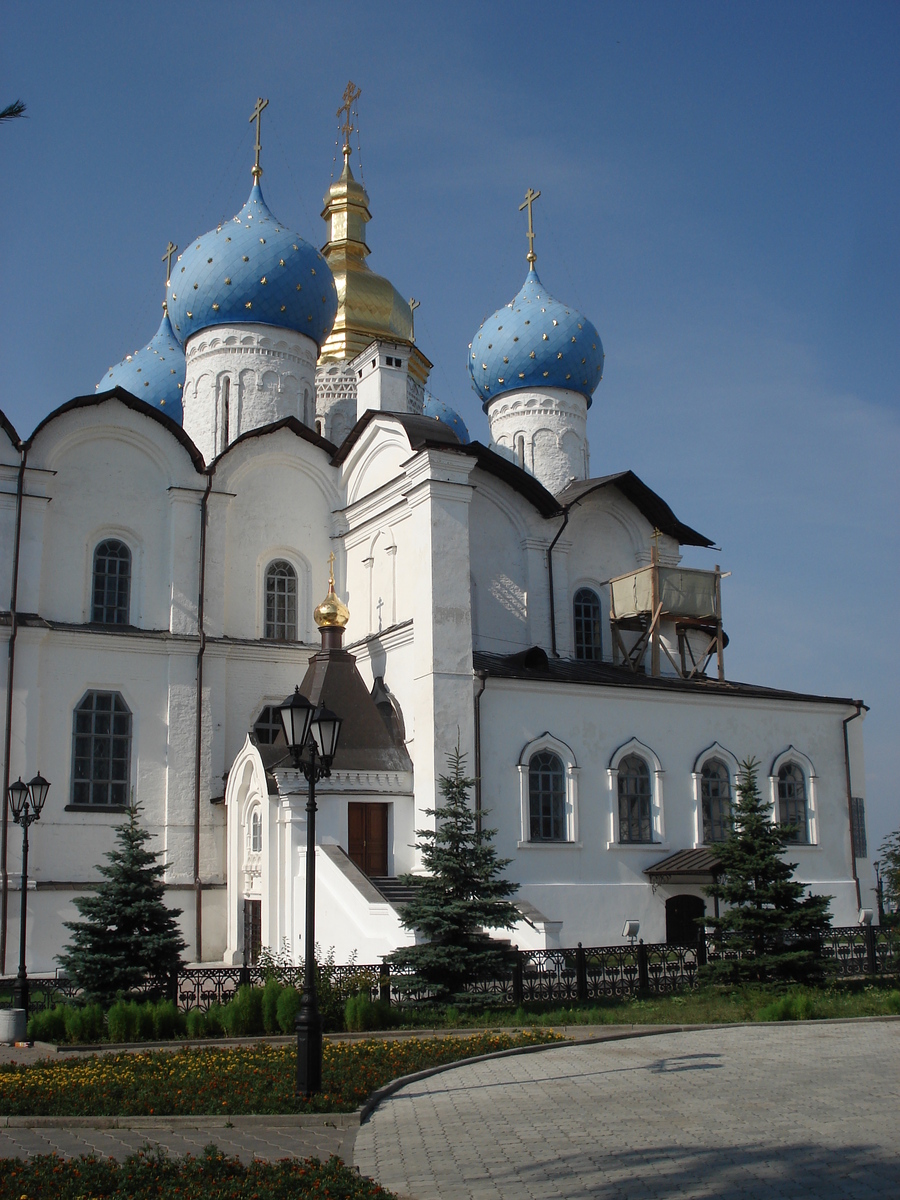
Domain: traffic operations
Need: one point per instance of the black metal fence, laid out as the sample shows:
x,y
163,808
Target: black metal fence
x,y
558,976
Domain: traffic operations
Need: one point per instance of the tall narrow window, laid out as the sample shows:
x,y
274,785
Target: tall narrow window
x,y
588,636
226,413
635,824
547,797
102,750
267,726
281,602
520,450
715,801
112,583
792,807
256,832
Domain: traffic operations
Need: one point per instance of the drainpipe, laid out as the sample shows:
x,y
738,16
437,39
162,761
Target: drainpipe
x,y
483,678
7,737
198,889
859,707
550,578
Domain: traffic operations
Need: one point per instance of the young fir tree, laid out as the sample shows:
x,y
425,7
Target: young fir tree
x,y
462,896
890,875
128,936
772,922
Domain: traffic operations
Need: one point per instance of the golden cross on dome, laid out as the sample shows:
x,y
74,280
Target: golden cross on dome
x,y
331,570
530,196
171,250
256,116
351,94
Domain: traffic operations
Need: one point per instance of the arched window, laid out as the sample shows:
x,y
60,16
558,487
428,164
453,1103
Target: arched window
x,y
588,637
256,832
281,602
226,413
715,801
112,583
635,821
547,797
792,806
267,725
102,750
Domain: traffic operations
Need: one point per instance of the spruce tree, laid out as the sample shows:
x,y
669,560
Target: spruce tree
x,y
128,937
462,896
770,920
889,852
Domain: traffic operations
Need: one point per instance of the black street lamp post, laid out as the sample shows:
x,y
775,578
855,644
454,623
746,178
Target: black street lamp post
x,y
26,801
312,735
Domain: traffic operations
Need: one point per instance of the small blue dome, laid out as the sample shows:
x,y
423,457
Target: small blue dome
x,y
154,374
535,341
252,270
439,411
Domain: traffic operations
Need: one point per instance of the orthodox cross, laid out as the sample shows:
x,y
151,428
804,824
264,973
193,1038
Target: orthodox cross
x,y
530,196
171,250
256,116
351,94
379,606
413,305
331,570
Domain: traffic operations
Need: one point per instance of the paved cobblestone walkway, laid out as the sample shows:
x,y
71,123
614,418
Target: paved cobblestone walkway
x,y
771,1112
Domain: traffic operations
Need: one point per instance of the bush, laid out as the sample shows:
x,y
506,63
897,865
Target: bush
x,y
287,1009
215,1020
168,1020
794,1006
120,1022
243,1016
84,1024
362,1014
271,992
196,1022
49,1025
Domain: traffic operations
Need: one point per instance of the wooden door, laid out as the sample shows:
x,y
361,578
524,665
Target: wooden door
x,y
367,827
252,931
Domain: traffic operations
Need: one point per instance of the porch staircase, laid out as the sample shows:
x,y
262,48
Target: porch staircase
x,y
396,893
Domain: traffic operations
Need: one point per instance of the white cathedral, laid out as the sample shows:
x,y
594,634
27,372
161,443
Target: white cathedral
x,y
165,542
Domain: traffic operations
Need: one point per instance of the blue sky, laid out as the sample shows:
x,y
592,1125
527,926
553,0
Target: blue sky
x,y
719,187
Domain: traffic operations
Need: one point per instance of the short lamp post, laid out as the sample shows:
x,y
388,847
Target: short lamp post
x,y
312,737
26,800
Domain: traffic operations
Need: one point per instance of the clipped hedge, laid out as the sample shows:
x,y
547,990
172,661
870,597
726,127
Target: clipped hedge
x,y
155,1176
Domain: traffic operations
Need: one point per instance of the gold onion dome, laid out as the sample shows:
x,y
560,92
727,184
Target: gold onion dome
x,y
369,306
332,611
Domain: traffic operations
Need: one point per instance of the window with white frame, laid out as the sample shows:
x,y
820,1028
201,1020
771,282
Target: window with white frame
x,y
256,831
101,751
635,800
267,725
587,618
281,602
793,808
111,590
715,801
548,785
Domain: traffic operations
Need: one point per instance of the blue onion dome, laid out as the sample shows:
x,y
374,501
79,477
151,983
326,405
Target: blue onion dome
x,y
439,411
154,374
535,341
252,270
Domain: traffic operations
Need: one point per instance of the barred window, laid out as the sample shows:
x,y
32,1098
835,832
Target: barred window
x,y
792,806
715,801
267,725
635,824
547,797
588,636
860,846
112,583
102,750
281,602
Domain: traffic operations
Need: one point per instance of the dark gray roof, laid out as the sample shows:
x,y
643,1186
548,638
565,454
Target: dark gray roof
x,y
686,862
535,665
646,501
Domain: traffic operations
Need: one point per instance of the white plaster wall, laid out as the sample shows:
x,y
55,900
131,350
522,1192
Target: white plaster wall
x,y
271,375
593,887
552,423
499,578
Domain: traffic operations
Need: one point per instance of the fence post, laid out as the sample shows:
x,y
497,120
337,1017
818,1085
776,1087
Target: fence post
x,y
871,952
581,988
384,983
701,949
518,982
643,967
